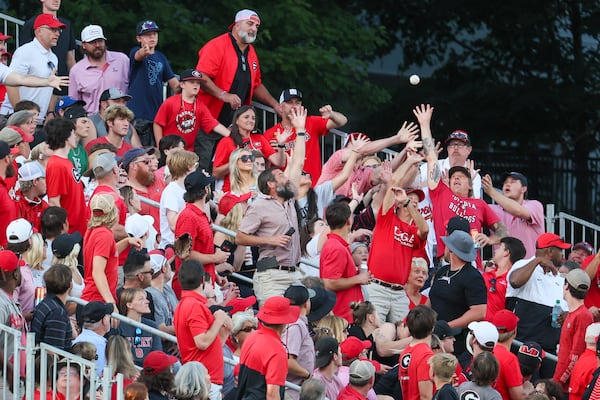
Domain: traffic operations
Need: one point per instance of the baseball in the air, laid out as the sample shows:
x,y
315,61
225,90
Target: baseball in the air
x,y
414,79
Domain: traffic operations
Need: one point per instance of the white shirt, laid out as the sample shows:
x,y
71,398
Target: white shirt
x,y
542,288
171,199
32,59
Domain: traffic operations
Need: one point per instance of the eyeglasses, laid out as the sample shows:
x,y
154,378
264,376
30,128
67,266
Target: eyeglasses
x,y
248,329
457,145
146,161
145,272
51,65
493,287
137,340
53,30
70,372
372,166
246,158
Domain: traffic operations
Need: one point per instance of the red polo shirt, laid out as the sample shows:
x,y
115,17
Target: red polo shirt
x,y
192,318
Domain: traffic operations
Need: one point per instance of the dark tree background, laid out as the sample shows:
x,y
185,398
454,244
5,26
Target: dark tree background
x,y
521,72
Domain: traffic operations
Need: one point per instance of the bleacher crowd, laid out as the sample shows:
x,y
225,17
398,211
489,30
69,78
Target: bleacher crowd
x,y
108,194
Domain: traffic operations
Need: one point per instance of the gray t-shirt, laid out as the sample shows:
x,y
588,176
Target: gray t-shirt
x,y
164,304
470,391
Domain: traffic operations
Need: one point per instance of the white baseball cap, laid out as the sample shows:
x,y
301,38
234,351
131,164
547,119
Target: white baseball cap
x,y
19,231
30,171
484,332
138,225
243,15
91,33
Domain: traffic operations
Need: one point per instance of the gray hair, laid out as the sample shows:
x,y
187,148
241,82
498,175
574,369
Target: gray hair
x,y
312,389
190,381
239,319
19,118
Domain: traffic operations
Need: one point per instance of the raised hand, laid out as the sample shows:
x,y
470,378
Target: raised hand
x,y
471,168
357,142
298,118
423,113
325,111
408,132
57,81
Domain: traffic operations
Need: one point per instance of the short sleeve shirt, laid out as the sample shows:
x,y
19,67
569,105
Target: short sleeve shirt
x,y
413,368
63,180
99,242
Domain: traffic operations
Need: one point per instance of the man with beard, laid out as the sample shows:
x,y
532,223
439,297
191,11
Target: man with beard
x,y
140,173
118,119
194,221
536,285
64,185
30,196
271,223
8,211
230,77
99,70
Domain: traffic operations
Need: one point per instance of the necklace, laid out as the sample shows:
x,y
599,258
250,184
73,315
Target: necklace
x,y
448,277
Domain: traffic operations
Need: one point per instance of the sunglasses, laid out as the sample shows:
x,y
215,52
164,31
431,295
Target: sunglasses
x,y
248,329
246,158
137,340
146,161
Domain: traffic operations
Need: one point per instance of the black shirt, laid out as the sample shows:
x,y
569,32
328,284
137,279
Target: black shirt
x,y
240,85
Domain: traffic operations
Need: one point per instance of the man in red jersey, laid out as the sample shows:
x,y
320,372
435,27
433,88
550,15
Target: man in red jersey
x,y
510,380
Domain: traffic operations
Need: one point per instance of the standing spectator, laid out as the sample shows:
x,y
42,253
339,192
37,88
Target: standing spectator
x,y
158,375
455,198
485,369
315,127
51,323
510,380
297,339
362,379
572,335
65,47
35,58
399,226
263,361
194,221
523,218
414,370
148,70
509,251
64,186
10,312
30,196
95,317
66,249
536,285
337,267
419,272
133,303
117,119
109,97
78,156
199,332
65,103
8,209
137,272
184,114
442,368
100,69
580,251
585,365
19,234
54,222
271,224
458,292
328,362
231,77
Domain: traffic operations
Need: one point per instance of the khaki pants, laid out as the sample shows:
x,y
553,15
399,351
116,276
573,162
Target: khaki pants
x,y
391,305
273,282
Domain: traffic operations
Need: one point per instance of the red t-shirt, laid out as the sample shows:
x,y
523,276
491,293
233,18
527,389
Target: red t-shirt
x,y
447,205
510,371
592,298
8,211
315,127
336,262
99,242
413,368
178,117
422,301
349,393
125,147
496,293
194,221
119,202
153,193
63,180
219,60
392,236
572,343
31,210
582,374
192,318
227,146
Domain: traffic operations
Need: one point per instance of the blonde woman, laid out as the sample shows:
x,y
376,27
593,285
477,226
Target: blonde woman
x,y
101,251
65,250
336,326
118,355
419,271
242,172
34,258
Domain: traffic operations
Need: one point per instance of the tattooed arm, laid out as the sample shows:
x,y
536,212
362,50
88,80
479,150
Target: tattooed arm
x,y
434,174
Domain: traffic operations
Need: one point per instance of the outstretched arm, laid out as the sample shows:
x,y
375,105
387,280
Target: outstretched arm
x,y
423,114
17,79
334,119
509,205
402,177
298,120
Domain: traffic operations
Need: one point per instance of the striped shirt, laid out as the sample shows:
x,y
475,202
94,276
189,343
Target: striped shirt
x,y
51,323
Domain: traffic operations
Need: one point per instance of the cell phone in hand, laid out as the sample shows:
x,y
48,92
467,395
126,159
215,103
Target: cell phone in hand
x,y
227,246
290,231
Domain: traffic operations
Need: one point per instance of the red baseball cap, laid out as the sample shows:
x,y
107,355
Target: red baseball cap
x,y
546,240
229,200
505,321
8,261
4,37
240,304
49,20
416,191
157,361
353,346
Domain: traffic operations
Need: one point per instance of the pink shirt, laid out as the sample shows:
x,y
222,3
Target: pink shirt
x,y
87,82
361,176
526,231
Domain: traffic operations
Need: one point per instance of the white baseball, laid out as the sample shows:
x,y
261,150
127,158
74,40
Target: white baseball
x,y
414,79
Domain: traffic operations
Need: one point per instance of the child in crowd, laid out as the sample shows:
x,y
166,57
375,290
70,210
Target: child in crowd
x,y
442,368
484,372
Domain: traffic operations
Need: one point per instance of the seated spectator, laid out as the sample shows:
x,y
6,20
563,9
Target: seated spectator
x,y
31,192
362,379
119,356
137,271
167,144
18,141
243,325
242,172
580,251
34,258
567,266
83,126
133,303
41,153
366,321
192,382
553,390
95,317
442,367
158,375
312,238
70,379
136,391
360,253
419,272
328,361
530,356
510,380
51,323
333,326
484,372
19,234
53,222
66,249
313,389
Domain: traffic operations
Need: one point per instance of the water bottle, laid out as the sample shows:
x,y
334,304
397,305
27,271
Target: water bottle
x,y
556,310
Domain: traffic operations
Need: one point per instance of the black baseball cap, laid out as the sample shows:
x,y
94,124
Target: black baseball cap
x,y
299,294
94,311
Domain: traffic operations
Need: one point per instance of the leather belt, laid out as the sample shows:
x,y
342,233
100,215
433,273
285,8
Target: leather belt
x,y
289,268
393,286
